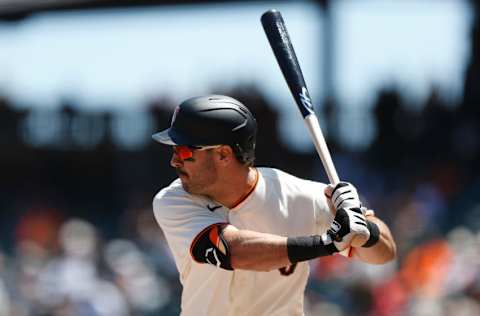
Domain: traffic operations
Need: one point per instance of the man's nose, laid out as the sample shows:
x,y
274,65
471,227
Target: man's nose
x,y
176,161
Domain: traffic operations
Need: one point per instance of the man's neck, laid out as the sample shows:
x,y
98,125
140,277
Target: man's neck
x,y
235,187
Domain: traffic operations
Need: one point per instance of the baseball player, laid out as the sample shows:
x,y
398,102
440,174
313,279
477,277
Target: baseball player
x,y
241,236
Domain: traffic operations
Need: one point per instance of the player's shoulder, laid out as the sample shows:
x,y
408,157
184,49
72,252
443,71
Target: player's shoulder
x,y
174,200
274,175
171,192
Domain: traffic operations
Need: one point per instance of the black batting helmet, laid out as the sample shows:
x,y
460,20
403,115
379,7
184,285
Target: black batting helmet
x,y
213,120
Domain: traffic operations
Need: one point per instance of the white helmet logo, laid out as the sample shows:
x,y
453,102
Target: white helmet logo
x,y
174,117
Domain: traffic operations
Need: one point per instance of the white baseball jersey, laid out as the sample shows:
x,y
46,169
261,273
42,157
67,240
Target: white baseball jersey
x,y
279,204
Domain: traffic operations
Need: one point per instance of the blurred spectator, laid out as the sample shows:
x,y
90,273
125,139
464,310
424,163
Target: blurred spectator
x,y
71,281
4,296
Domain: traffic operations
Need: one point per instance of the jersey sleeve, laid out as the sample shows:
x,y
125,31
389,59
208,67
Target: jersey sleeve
x,y
323,215
181,220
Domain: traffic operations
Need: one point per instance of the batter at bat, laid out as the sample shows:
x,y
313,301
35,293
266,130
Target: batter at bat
x,y
241,236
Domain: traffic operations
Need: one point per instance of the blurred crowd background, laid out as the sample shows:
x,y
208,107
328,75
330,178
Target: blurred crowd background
x,y
78,236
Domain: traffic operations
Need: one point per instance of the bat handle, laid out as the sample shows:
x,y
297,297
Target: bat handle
x,y
321,146
322,149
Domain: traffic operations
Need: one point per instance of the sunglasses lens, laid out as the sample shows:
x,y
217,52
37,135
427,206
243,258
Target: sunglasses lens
x,y
184,152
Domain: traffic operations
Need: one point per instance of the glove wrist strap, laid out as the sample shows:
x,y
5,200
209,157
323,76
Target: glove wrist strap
x,y
309,247
374,234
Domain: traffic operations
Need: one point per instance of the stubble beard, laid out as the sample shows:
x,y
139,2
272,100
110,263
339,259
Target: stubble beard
x,y
201,182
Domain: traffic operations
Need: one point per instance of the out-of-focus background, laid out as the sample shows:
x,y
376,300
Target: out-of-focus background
x,y
83,85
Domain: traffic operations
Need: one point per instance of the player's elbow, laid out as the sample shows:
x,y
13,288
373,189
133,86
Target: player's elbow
x,y
386,254
386,249
392,252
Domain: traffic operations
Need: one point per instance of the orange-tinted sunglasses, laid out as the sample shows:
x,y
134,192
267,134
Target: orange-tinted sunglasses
x,y
185,152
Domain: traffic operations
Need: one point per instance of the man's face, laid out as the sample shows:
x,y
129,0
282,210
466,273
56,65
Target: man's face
x,y
196,170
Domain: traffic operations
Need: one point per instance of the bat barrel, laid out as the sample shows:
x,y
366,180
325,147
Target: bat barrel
x,y
282,47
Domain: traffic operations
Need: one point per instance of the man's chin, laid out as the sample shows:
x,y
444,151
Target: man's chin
x,y
183,180
190,189
186,186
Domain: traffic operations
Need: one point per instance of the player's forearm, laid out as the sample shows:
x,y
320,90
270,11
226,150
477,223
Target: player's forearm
x,y
383,251
256,251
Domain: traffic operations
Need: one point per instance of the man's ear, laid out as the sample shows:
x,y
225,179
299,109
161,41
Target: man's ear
x,y
226,153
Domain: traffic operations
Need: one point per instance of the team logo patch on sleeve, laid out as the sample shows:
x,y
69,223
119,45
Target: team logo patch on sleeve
x,y
210,247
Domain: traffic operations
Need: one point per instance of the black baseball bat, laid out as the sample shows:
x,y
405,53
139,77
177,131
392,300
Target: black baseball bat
x,y
282,47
